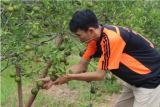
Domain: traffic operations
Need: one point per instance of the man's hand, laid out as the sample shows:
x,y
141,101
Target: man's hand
x,y
47,82
61,80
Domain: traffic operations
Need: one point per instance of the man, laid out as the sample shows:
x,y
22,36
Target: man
x,y
124,52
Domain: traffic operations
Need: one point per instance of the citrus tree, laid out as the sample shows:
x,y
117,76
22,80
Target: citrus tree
x,y
37,32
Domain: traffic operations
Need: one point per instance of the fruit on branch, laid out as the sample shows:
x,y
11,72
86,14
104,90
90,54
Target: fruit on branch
x,y
66,38
53,77
36,9
66,63
67,53
6,2
12,74
34,91
46,23
27,48
63,59
10,9
15,8
35,34
61,48
17,79
28,73
40,83
90,4
79,2
38,60
28,8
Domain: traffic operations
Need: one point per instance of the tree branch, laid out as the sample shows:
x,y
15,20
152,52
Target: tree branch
x,y
42,43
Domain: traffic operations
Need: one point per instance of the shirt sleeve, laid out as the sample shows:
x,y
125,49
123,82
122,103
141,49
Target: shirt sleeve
x,y
112,46
91,49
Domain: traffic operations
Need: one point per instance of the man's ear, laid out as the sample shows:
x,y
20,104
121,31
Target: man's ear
x,y
91,29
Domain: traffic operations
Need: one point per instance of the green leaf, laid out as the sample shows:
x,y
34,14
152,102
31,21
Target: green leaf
x,y
59,74
14,102
50,56
70,72
64,68
63,73
44,58
53,56
46,3
64,23
13,59
59,70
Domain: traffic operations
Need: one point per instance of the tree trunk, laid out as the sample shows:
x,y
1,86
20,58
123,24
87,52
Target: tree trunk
x,y
18,71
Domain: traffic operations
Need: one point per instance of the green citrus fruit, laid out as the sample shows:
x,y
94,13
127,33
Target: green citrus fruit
x,y
28,7
10,9
61,48
90,4
27,48
40,83
35,34
12,74
104,14
6,2
53,77
36,9
17,79
34,91
79,2
63,59
53,72
66,38
46,23
67,53
28,73
66,63
15,8
39,16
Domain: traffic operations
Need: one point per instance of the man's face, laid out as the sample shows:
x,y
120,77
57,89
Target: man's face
x,y
85,37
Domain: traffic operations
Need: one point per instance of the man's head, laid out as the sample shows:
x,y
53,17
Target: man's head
x,y
84,24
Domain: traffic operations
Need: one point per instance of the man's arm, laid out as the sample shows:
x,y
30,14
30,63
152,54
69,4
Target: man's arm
x,y
98,75
80,67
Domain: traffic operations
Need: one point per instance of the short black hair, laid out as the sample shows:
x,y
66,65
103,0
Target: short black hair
x,y
83,19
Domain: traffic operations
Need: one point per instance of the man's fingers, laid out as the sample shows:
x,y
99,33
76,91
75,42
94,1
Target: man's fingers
x,y
55,83
44,86
38,80
43,79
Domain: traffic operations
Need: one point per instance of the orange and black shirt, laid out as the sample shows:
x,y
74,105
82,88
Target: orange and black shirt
x,y
128,55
